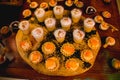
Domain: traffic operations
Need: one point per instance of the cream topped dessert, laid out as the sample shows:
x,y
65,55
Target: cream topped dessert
x,y
76,15
50,23
66,23
33,5
60,35
40,14
58,11
78,35
89,24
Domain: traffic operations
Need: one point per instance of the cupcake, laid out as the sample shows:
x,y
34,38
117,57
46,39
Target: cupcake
x,y
87,55
24,26
33,5
93,43
76,15
52,64
72,64
66,23
40,14
26,13
106,14
38,34
35,57
78,35
53,3
44,5
89,24
60,35
98,19
50,23
110,41
58,11
69,3
48,48
26,45
104,26
67,49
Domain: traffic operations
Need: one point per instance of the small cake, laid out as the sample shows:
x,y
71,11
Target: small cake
x,y
106,14
68,3
26,45
58,11
110,41
89,24
44,5
38,34
78,35
98,19
66,23
26,13
48,48
52,64
33,5
72,64
93,43
104,26
50,23
67,49
60,35
79,4
87,55
53,3
76,15
35,57
40,14
24,26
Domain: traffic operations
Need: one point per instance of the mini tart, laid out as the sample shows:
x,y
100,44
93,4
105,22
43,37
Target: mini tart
x,y
44,5
104,26
48,48
68,3
72,64
98,19
35,57
52,64
33,5
26,13
67,49
93,42
52,3
87,55
79,4
115,63
26,45
106,14
110,41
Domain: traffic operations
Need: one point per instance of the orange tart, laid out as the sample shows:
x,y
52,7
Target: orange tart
x,y
33,5
98,19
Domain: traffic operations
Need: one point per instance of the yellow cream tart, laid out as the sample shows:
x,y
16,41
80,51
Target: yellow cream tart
x,y
72,64
93,43
98,19
35,57
26,13
67,49
48,48
33,5
44,5
52,63
104,26
68,3
87,55
52,3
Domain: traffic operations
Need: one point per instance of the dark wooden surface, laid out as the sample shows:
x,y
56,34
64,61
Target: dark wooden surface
x,y
101,69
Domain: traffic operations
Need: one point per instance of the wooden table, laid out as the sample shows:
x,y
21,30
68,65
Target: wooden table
x,y
101,69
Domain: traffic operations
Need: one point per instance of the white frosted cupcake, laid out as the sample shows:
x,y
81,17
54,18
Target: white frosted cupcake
x,y
76,15
78,35
60,35
40,14
66,23
58,11
38,34
50,23
24,26
89,24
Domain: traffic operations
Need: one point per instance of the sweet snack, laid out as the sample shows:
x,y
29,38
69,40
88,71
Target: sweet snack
x,y
89,24
115,63
76,15
106,14
26,13
44,5
79,4
98,19
90,10
33,5
57,43
14,26
66,23
68,3
104,26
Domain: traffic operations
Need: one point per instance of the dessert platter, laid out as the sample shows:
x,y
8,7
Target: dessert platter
x,y
57,41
